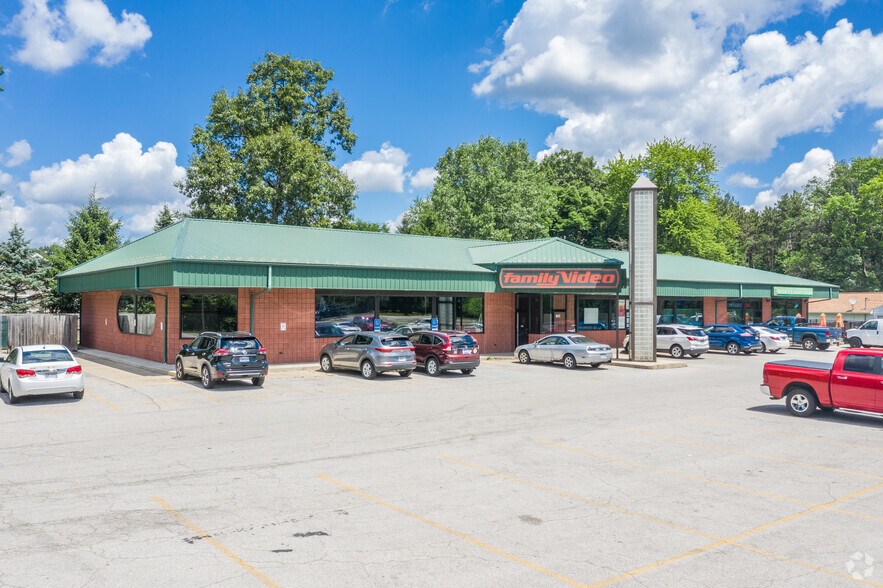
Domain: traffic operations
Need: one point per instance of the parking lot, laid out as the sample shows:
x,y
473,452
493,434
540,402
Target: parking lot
x,y
516,475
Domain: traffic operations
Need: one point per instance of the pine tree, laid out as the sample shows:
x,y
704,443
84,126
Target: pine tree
x,y
23,272
92,231
166,218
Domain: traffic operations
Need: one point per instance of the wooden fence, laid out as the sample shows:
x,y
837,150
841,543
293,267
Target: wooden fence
x,y
37,329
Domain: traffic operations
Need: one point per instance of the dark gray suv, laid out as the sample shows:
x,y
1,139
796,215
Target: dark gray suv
x,y
370,353
223,356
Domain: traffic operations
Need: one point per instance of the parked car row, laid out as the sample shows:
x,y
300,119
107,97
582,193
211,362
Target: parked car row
x,y
683,339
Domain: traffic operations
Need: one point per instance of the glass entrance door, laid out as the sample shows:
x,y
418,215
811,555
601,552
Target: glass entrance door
x,y
528,315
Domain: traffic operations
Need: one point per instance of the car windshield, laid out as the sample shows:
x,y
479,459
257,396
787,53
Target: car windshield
x,y
243,344
582,340
463,341
396,342
693,332
43,355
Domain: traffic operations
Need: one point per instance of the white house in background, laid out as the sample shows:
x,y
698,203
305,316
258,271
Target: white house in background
x,y
856,307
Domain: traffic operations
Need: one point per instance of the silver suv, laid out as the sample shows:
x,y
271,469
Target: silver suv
x,y
679,340
370,353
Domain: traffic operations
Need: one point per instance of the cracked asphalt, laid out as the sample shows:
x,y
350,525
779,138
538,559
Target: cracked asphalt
x,y
516,475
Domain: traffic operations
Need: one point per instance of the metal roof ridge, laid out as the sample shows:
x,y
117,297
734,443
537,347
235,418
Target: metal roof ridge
x,y
179,242
123,246
497,243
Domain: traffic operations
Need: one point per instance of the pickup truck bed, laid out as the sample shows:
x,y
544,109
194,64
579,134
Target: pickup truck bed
x,y
801,363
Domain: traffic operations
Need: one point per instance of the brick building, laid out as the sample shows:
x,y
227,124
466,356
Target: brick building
x,y
296,288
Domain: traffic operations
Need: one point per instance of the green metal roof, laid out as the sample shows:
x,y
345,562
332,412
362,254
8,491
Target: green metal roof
x,y
212,254
552,251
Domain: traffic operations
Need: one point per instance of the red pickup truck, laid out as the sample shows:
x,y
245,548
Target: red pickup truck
x,y
854,381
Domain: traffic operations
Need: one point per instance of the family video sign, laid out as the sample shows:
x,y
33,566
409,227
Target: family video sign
x,y
559,279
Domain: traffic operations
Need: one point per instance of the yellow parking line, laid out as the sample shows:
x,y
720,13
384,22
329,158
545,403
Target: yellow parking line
x,y
217,545
760,455
708,481
768,432
104,401
457,534
194,389
718,541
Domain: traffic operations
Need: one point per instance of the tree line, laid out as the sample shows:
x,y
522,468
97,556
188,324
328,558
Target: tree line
x,y
266,154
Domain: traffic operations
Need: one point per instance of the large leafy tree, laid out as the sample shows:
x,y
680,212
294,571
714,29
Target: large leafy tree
x,y
22,272
581,206
265,152
92,231
485,190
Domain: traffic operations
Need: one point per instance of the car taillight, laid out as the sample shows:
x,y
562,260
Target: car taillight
x,y
827,333
25,373
692,338
74,370
221,352
475,349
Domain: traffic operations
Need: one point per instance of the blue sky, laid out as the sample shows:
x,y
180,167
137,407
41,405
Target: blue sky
x,y
107,93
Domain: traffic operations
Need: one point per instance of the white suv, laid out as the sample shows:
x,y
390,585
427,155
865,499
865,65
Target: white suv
x,y
679,340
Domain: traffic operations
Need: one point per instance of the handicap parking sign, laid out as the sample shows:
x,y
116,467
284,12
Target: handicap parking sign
x,y
434,324
376,324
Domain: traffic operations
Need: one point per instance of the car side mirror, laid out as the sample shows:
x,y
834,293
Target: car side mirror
x,y
185,346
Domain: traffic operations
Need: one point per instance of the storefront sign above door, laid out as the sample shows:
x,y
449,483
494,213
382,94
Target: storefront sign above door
x,y
792,291
559,279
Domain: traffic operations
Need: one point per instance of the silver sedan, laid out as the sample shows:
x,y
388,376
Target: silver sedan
x,y
571,350
41,369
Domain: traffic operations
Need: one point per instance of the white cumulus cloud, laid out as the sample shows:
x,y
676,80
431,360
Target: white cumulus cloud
x,y
19,152
58,38
423,179
132,181
817,163
619,79
379,171
743,180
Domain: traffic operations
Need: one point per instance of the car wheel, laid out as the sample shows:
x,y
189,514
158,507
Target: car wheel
x,y
368,371
78,395
467,372
695,355
809,343
762,347
207,381
432,366
855,342
179,370
325,364
13,399
774,350
523,356
258,381
569,361
801,402
733,348
676,351
405,373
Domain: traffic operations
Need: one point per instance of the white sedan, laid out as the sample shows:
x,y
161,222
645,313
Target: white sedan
x,y
771,339
41,369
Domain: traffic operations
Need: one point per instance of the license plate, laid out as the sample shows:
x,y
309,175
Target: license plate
x,y
243,359
50,375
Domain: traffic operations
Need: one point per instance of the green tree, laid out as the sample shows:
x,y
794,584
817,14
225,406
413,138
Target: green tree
x,y
92,231
581,207
22,278
265,152
166,217
363,225
485,190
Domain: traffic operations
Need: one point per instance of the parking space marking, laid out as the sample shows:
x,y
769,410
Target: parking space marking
x,y
195,389
708,481
99,399
217,545
768,432
760,455
476,542
718,541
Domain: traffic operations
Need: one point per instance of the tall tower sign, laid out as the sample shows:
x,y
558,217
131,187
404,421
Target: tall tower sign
x,y
642,270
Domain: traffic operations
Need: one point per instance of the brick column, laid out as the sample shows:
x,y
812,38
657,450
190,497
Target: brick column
x,y
766,309
714,310
499,323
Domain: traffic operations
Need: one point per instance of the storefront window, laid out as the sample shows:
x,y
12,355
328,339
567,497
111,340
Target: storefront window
x,y
595,314
343,314
786,306
461,313
744,311
556,319
208,312
679,312
136,314
405,313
